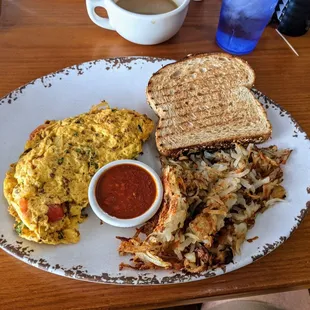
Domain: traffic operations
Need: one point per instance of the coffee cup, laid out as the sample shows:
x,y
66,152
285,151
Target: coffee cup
x,y
139,28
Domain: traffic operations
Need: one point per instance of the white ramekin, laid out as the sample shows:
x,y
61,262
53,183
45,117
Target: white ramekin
x,y
114,221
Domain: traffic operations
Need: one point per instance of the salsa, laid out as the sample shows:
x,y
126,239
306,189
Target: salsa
x,y
125,191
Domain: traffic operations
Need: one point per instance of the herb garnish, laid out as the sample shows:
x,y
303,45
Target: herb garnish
x,y
19,227
60,235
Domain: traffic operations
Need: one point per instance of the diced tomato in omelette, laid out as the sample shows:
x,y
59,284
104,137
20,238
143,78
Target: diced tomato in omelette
x,y
47,188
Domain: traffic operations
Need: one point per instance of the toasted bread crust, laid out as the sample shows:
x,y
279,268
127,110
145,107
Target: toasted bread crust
x,y
215,145
167,97
192,56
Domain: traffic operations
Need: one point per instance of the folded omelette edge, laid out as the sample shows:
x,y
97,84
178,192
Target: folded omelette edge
x,y
46,188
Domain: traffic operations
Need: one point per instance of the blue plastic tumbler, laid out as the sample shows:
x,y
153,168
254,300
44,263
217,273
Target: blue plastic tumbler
x,y
242,23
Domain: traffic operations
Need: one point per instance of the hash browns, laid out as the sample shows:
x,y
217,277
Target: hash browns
x,y
210,202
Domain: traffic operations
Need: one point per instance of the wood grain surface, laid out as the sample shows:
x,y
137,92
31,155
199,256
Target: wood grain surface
x,y
38,37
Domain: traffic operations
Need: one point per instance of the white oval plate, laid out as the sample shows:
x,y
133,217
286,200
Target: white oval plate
x,y
122,82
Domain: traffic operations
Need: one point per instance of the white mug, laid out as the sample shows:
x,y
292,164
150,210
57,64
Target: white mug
x,y
139,28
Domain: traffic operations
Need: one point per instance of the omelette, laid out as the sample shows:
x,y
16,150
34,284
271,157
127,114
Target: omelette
x,y
47,188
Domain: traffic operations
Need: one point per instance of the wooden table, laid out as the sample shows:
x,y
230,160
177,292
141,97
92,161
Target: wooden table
x,y
37,37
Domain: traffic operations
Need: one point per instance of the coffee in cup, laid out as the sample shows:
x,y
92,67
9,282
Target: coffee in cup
x,y
151,23
147,7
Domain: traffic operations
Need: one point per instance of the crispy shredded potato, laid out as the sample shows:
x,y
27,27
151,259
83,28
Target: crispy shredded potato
x,y
210,202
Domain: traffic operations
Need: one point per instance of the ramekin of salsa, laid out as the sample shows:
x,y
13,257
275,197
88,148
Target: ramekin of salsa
x,y
125,193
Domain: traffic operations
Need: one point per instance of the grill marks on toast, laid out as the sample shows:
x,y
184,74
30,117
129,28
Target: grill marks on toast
x,y
201,115
198,88
215,104
191,68
209,129
204,101
181,98
189,129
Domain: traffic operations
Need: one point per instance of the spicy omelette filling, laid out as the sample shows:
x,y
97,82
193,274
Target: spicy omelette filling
x,y
47,188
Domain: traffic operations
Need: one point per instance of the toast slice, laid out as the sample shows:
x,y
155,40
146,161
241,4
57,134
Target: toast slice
x,y
204,101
